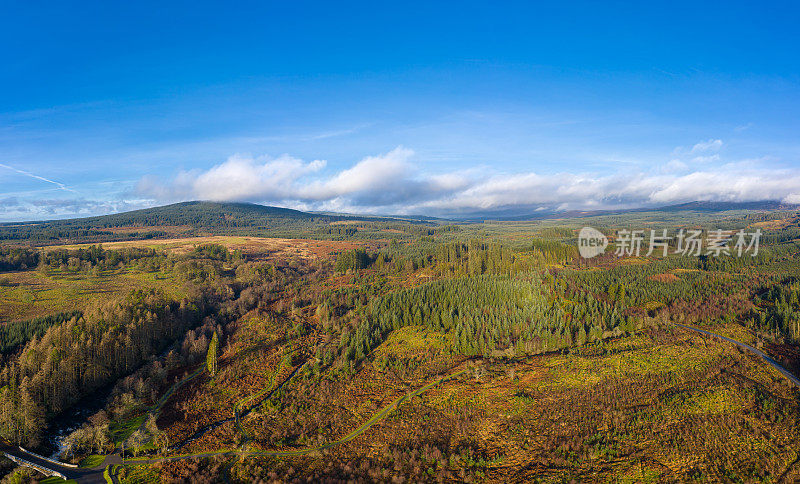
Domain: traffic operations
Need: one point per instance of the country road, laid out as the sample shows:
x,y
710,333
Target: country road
x,y
749,348
95,475
80,474
386,410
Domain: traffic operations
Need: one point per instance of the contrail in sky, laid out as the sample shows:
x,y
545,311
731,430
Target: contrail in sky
x,y
61,186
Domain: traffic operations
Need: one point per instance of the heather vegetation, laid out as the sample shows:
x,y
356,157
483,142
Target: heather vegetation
x,y
442,355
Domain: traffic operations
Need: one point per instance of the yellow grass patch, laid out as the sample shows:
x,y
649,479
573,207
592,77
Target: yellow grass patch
x,y
256,246
667,278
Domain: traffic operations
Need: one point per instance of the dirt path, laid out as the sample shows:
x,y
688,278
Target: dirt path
x,y
276,453
386,410
92,475
237,416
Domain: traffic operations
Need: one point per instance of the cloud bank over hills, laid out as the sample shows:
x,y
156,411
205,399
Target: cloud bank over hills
x,y
394,183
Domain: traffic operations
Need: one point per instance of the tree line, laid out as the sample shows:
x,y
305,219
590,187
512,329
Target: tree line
x,y
85,353
17,333
778,312
489,315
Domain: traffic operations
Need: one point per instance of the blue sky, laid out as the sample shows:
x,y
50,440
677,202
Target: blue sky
x,y
431,107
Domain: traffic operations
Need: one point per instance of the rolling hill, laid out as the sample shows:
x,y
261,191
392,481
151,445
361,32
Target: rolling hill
x,y
194,218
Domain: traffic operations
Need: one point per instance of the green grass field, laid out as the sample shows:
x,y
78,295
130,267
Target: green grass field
x,y
93,460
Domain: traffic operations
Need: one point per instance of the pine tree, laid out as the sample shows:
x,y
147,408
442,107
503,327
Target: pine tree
x,y
211,356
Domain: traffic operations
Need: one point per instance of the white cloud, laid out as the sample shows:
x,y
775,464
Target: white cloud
x,y
720,185
706,159
20,208
240,177
391,183
372,174
674,166
711,145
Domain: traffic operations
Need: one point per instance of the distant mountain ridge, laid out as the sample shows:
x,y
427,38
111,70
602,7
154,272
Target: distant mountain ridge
x,y
707,206
517,214
195,218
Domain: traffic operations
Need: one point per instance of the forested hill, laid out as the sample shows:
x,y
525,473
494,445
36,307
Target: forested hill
x,y
196,214
191,219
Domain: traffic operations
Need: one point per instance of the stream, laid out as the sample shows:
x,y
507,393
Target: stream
x,y
71,420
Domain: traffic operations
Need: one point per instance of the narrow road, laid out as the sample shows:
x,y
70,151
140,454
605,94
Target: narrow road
x,y
749,348
93,475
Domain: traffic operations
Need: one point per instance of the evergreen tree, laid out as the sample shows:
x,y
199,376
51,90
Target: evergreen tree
x,y
211,356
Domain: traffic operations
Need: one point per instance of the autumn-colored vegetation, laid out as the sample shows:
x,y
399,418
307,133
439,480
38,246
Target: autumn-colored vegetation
x,y
567,370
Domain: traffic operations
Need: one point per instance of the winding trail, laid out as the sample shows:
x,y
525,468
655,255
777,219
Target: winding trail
x,y
393,405
161,401
96,474
308,450
254,399
783,371
237,416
